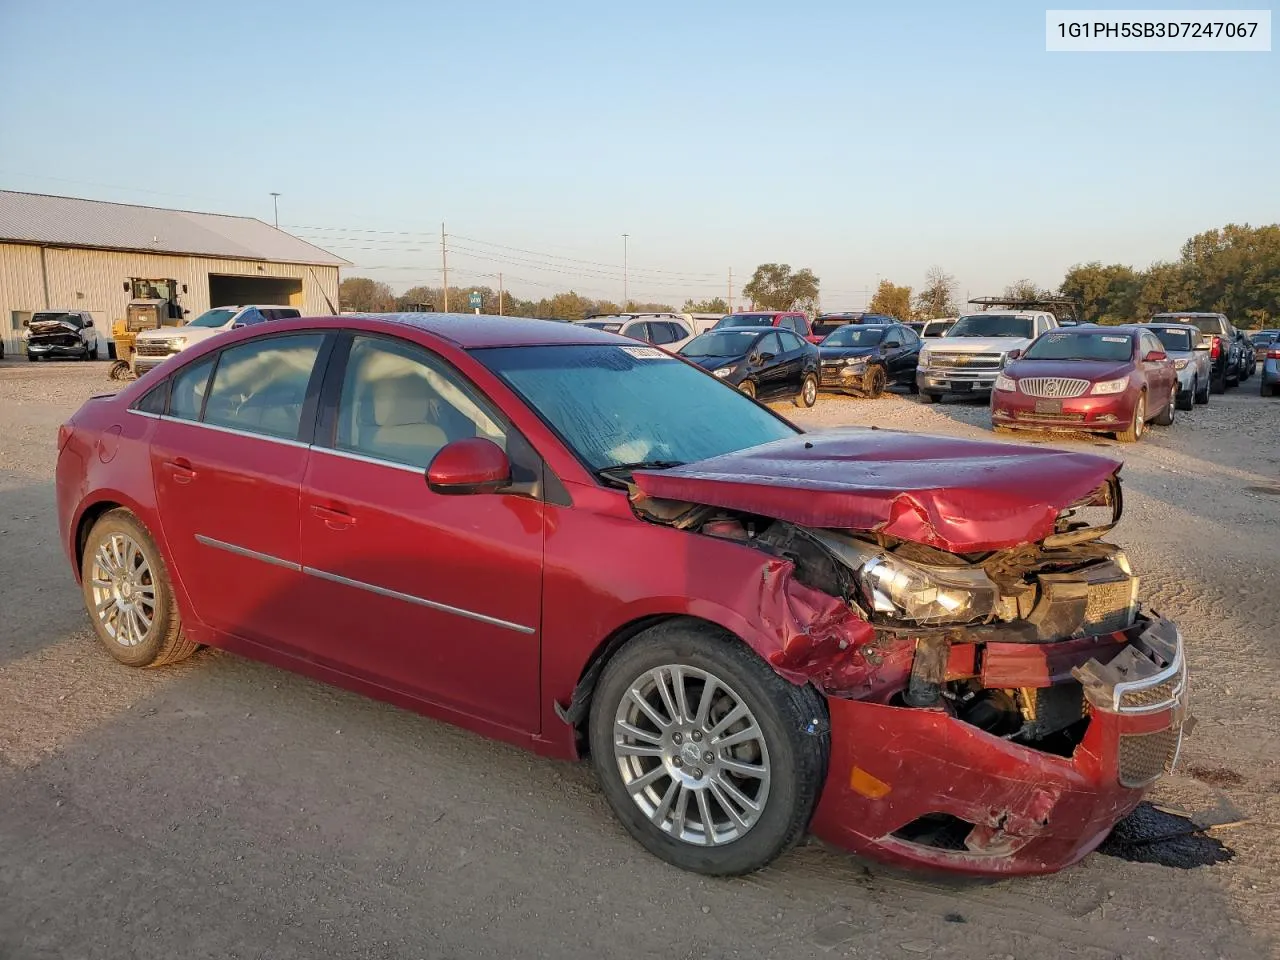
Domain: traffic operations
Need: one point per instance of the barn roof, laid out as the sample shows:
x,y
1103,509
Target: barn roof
x,y
96,224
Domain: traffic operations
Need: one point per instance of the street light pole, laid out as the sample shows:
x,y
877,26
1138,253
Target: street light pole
x,y
624,271
275,208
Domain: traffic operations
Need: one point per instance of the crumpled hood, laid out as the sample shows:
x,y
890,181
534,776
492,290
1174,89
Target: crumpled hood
x,y
46,327
963,496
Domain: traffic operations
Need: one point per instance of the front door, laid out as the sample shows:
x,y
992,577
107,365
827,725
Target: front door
x,y
436,595
227,465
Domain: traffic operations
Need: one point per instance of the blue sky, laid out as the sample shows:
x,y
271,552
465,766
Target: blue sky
x,y
861,141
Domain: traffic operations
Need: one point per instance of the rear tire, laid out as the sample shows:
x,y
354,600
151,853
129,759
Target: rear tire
x,y
1218,384
1165,419
129,596
808,394
668,667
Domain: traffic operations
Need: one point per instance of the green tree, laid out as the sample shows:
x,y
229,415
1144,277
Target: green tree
x,y
635,307
938,297
1025,290
775,287
1105,294
892,300
364,295
714,305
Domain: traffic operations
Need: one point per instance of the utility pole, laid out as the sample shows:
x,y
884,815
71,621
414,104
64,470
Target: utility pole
x,y
624,272
444,265
731,289
500,313
275,208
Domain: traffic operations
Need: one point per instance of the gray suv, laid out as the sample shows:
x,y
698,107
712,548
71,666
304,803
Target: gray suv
x,y
1224,343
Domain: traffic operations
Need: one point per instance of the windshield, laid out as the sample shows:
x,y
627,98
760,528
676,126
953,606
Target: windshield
x,y
615,405
717,344
855,336
599,325
1081,346
745,320
992,325
1175,340
213,318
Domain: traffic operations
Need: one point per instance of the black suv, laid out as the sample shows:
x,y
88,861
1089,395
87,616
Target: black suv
x,y
1226,345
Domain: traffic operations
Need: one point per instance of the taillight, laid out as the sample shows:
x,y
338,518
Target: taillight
x,y
1273,353
1215,348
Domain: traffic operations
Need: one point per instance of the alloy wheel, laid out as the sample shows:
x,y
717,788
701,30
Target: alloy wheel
x,y
810,391
691,755
124,590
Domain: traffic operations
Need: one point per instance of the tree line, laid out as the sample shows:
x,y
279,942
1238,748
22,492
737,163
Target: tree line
x,y
1234,270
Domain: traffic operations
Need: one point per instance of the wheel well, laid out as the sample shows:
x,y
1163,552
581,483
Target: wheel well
x,y
579,708
87,520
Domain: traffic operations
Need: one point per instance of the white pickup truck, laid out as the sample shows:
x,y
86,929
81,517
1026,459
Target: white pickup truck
x,y
968,357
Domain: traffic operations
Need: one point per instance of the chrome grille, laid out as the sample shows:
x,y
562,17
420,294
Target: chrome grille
x,y
1145,756
153,348
1050,417
1110,606
967,361
1052,388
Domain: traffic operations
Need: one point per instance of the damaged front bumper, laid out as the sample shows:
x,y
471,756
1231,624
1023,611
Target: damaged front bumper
x,y
920,787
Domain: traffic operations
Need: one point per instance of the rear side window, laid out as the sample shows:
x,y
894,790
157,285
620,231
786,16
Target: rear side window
x,y
661,333
186,395
260,386
153,401
249,318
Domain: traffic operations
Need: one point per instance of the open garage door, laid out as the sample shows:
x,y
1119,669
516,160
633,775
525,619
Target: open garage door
x,y
226,290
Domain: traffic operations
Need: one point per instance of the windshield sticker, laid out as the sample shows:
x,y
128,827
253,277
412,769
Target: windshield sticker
x,y
1056,337
1115,339
644,353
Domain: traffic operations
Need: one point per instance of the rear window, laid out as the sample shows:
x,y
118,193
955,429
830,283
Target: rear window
x,y
1175,340
1081,346
1203,324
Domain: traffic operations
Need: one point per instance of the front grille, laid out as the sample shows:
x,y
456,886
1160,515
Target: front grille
x,y
1110,606
968,361
55,340
1145,756
1051,388
153,348
1050,417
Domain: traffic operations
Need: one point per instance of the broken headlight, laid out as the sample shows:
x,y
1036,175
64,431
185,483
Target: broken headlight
x,y
916,592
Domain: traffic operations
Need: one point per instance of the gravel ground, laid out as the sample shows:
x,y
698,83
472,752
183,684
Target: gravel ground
x,y
225,809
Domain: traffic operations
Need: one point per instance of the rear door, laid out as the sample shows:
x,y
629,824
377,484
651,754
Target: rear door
x,y
1160,374
227,460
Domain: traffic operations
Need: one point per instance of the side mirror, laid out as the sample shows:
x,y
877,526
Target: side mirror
x,y
88,324
184,288
893,345
765,357
236,326
1014,354
474,465
1154,356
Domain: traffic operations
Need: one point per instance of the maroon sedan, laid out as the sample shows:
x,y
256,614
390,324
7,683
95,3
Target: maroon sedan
x,y
918,648
1093,379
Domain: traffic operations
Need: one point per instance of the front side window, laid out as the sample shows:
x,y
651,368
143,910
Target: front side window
x,y
617,405
260,386
186,394
769,344
401,404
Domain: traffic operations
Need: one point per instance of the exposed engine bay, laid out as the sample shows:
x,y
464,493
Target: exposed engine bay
x,y
997,639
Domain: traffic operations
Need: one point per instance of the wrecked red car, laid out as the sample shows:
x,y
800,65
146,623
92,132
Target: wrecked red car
x,y
918,648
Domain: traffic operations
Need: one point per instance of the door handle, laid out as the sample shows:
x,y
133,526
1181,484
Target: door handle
x,y
180,470
333,518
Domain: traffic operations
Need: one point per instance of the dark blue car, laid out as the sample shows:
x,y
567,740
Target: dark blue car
x,y
863,359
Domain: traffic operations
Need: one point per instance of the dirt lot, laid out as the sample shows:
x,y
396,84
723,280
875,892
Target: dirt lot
x,y
226,809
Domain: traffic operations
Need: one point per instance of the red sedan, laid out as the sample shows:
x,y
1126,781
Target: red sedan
x,y
913,646
1092,379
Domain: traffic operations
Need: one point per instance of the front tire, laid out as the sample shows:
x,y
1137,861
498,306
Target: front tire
x,y
1139,424
927,397
808,395
873,381
712,761
1186,399
129,596
1202,396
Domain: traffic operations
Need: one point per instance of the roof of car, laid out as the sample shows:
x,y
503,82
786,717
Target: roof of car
x,y
468,330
